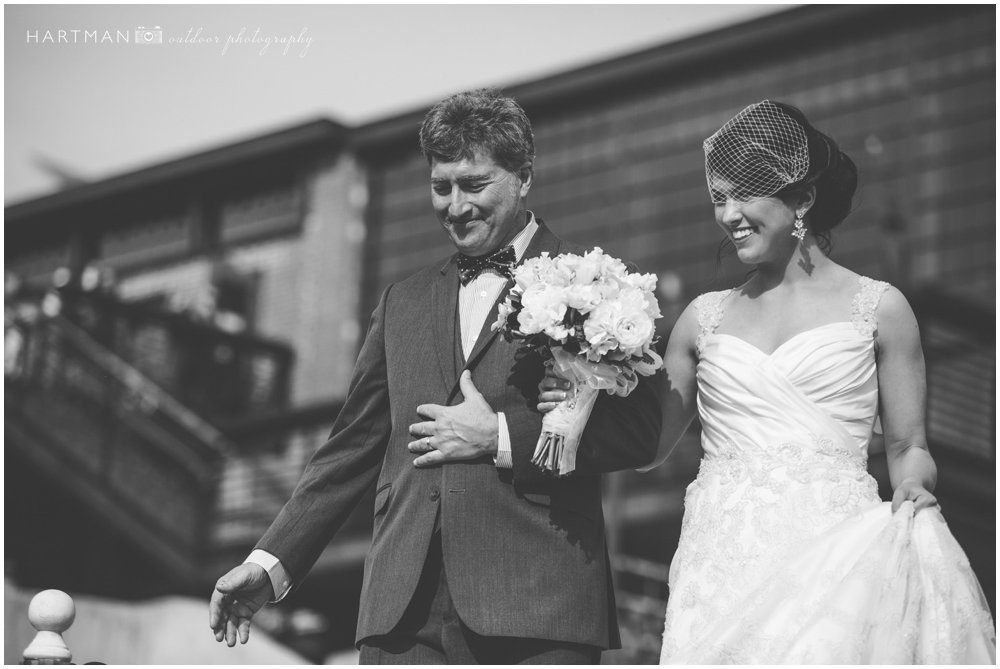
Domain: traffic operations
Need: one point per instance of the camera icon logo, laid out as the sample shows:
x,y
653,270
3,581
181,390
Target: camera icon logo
x,y
148,35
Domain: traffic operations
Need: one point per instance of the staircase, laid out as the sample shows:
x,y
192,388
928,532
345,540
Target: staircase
x,y
126,473
99,430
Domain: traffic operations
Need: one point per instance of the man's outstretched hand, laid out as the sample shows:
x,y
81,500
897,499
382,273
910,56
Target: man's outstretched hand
x,y
462,432
237,597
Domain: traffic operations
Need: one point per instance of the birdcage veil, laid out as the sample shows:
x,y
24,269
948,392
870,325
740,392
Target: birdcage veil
x,y
755,154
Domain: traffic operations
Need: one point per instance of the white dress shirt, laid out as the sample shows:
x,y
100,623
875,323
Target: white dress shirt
x,y
475,303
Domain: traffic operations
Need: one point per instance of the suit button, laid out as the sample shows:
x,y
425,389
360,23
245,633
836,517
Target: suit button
x,y
435,494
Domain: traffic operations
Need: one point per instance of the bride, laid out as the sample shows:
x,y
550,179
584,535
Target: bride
x,y
787,554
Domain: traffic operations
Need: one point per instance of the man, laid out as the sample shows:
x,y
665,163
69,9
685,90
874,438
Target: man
x,y
477,555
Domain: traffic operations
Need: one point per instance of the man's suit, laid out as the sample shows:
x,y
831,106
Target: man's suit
x,y
524,553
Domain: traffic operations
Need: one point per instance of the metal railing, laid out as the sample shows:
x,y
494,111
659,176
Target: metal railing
x,y
104,430
222,376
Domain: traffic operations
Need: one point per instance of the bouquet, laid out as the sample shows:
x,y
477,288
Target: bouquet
x,y
593,322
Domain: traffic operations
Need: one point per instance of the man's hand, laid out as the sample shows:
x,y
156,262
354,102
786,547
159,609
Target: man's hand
x,y
237,597
463,432
552,390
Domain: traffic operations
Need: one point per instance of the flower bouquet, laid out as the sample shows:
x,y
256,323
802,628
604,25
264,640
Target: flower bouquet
x,y
593,322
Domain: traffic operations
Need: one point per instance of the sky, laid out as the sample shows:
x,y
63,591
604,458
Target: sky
x,y
95,100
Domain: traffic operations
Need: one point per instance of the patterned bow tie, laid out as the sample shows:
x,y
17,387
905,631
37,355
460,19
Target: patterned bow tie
x,y
502,262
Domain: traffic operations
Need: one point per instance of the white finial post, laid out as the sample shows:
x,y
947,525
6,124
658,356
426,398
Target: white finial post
x,y
51,612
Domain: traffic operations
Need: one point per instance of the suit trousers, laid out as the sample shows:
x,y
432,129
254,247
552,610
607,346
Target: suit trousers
x,y
431,632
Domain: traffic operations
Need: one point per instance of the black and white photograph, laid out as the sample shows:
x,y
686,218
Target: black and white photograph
x,y
500,334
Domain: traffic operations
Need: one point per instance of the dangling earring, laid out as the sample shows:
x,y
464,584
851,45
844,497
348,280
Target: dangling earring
x,y
800,230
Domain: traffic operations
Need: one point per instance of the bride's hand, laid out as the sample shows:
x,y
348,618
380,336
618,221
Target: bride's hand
x,y
914,491
551,391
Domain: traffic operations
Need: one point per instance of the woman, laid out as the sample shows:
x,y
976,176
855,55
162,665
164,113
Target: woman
x,y
786,553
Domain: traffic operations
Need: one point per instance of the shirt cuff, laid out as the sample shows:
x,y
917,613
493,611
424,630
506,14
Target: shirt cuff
x,y
281,583
503,458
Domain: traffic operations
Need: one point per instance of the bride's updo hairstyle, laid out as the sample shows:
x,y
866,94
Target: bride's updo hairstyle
x,y
771,149
831,171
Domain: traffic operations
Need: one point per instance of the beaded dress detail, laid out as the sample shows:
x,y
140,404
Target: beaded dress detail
x,y
787,555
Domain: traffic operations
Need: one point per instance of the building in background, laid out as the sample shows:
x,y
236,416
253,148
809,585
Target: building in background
x,y
159,424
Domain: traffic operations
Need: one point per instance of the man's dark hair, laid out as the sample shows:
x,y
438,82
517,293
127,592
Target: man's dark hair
x,y
483,120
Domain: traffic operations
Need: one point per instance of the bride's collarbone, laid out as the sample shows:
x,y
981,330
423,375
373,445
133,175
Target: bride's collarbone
x,y
769,328
781,310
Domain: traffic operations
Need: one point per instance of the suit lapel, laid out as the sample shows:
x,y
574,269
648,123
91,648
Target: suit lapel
x,y
444,314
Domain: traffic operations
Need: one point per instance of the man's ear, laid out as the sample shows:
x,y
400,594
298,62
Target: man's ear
x,y
526,174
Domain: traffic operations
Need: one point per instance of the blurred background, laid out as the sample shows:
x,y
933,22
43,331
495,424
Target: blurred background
x,y
200,218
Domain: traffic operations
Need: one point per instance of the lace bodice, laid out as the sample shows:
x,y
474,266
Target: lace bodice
x,y
826,373
863,306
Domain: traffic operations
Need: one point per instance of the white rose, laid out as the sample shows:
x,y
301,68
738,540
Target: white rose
x,y
503,313
616,268
529,323
633,329
558,332
609,265
567,263
599,330
588,268
652,306
583,298
542,307
646,285
557,274
531,272
622,323
644,282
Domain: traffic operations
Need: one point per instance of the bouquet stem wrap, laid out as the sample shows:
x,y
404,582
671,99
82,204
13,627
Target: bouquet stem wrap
x,y
563,427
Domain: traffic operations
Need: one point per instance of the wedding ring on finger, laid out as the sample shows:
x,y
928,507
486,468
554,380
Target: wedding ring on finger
x,y
427,442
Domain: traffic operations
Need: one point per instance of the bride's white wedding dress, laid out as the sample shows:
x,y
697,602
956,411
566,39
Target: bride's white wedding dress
x,y
787,554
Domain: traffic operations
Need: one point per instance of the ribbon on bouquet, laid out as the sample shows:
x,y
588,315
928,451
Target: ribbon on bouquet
x,y
562,428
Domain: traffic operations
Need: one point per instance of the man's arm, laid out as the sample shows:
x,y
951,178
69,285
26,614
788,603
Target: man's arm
x,y
342,469
332,484
280,579
623,432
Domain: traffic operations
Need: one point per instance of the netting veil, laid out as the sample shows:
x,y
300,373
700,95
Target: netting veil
x,y
755,154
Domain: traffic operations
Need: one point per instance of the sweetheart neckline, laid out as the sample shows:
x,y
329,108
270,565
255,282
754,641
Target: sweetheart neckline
x,y
787,341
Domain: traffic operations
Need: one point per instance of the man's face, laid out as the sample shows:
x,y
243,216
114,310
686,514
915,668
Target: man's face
x,y
479,203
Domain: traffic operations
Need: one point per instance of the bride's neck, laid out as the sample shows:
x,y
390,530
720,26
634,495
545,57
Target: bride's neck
x,y
806,263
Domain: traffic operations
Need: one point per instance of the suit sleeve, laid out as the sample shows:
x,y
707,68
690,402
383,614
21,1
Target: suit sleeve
x,y
343,468
623,432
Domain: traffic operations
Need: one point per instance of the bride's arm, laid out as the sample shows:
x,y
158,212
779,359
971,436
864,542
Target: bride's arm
x,y
902,402
679,388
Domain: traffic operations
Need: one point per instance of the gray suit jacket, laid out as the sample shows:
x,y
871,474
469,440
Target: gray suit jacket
x,y
524,553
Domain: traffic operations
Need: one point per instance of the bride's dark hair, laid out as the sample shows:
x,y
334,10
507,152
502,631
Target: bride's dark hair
x,y
831,172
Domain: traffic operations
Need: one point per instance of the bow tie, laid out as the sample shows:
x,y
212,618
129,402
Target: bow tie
x,y
502,262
